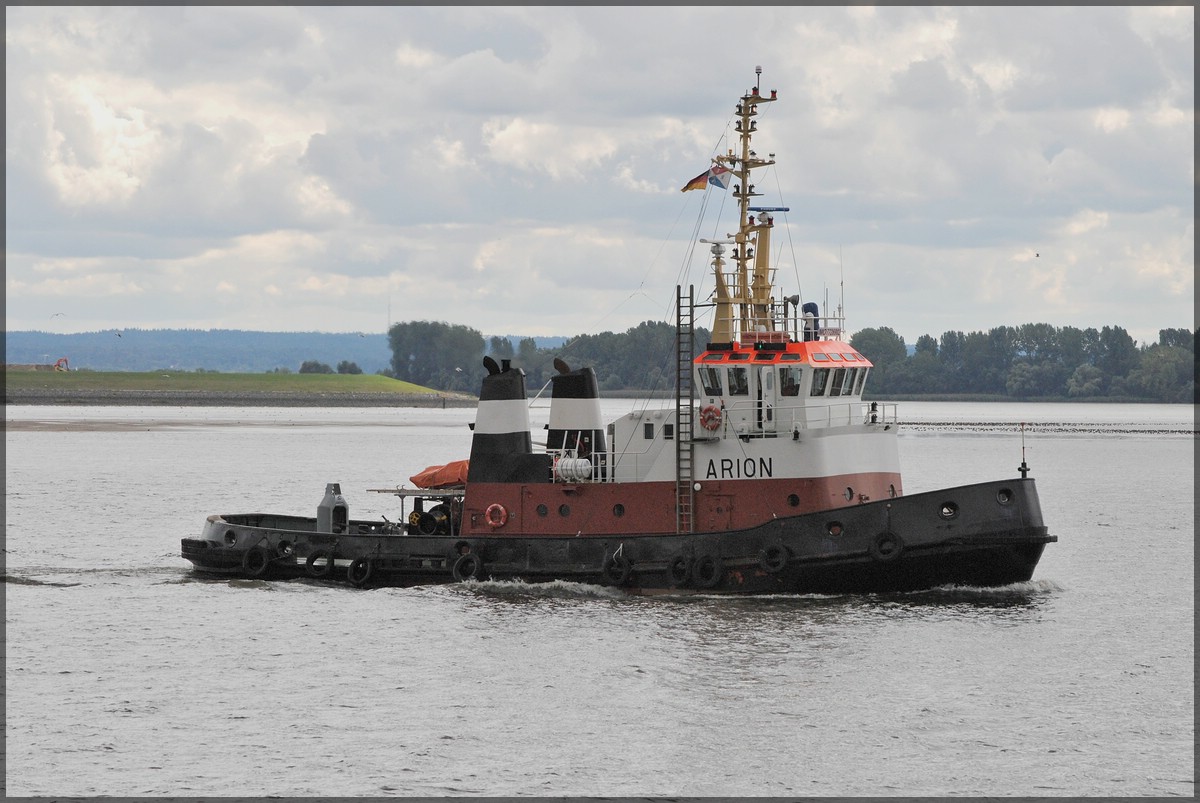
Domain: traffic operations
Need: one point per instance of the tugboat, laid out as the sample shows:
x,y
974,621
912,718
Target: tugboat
x,y
769,474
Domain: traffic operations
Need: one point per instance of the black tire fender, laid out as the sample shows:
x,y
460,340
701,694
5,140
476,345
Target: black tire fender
x,y
774,558
679,571
467,567
886,547
708,571
256,561
325,569
360,570
617,569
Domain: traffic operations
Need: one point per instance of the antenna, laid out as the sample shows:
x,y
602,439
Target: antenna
x,y
757,75
841,285
1023,468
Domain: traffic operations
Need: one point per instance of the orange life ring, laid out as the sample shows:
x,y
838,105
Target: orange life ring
x,y
496,515
710,417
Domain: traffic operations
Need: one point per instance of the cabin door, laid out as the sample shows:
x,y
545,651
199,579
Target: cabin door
x,y
765,411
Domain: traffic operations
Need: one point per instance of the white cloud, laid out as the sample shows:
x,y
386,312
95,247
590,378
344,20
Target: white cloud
x,y
519,168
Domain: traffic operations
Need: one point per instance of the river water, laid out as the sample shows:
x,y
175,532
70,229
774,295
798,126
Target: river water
x,y
127,676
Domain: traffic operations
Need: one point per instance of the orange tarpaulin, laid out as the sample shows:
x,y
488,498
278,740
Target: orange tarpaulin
x,y
442,476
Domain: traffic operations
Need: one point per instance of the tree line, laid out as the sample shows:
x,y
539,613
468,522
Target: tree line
x,y
449,357
1034,361
1031,361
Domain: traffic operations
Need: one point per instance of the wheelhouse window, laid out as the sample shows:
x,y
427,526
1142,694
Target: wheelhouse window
x,y
710,378
820,380
789,379
739,382
848,383
839,378
862,378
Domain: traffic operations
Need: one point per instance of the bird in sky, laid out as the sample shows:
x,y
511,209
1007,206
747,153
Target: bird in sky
x,y
55,315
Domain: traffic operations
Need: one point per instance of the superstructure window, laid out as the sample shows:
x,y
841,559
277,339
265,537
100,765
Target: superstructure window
x,y
839,377
820,380
710,378
848,382
862,378
789,379
739,382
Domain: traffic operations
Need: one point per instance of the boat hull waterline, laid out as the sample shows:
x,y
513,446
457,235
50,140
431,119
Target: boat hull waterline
x,y
987,534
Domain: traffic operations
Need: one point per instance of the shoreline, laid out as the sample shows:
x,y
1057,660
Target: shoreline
x,y
202,398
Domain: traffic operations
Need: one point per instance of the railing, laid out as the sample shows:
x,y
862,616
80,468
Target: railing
x,y
789,417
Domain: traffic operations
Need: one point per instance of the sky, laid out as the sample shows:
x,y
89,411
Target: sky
x,y
518,169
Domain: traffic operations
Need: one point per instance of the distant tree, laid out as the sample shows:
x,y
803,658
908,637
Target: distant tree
x,y
1087,380
881,346
500,348
437,355
926,345
347,367
315,367
1118,352
1164,373
1181,338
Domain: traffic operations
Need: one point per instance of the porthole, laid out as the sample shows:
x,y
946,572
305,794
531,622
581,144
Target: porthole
x,y
542,510
1004,496
230,538
793,500
834,528
564,510
849,493
618,510
949,510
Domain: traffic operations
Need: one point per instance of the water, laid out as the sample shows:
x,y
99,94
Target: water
x,y
127,676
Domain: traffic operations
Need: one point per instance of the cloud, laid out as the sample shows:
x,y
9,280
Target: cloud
x,y
521,166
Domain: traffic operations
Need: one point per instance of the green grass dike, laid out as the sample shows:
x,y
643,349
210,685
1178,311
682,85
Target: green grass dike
x,y
24,386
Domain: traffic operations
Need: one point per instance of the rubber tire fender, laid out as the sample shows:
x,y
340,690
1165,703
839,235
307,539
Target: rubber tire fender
x,y
708,571
256,561
886,547
679,571
617,569
467,567
322,571
774,558
359,571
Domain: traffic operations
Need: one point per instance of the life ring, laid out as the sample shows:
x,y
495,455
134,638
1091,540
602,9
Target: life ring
x,y
708,571
256,561
710,417
322,570
617,569
496,515
774,558
886,547
679,570
467,567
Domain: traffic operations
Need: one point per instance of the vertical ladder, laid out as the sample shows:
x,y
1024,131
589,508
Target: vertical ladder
x,y
684,407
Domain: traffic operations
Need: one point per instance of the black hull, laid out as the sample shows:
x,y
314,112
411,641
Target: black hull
x,y
988,534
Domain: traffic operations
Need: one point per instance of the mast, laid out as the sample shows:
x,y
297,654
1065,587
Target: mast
x,y
746,307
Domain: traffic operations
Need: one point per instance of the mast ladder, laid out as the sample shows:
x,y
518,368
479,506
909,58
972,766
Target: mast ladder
x,y
685,336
